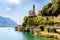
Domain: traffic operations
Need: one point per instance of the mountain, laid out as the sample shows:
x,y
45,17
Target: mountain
x,y
7,22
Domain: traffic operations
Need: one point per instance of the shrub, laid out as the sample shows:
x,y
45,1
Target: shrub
x,y
53,30
27,29
42,28
48,29
24,24
26,19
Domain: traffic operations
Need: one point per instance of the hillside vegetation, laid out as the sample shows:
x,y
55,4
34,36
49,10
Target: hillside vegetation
x,y
51,9
47,17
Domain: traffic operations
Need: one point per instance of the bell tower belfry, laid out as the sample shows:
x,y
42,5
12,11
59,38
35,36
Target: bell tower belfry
x,y
33,8
32,12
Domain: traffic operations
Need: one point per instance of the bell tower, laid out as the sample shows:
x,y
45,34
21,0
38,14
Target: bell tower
x,y
33,8
32,12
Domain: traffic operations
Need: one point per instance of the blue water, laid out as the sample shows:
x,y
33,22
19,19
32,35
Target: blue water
x,y
8,33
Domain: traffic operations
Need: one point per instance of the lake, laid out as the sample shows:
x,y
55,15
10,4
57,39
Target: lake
x,y
8,33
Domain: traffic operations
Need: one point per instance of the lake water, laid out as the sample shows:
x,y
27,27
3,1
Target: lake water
x,y
8,33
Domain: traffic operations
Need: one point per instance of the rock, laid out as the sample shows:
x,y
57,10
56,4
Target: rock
x,y
16,28
58,37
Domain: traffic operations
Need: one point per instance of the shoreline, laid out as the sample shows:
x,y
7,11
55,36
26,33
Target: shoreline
x,y
43,34
47,35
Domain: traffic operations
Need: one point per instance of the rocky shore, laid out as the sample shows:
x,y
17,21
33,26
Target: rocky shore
x,y
40,34
48,36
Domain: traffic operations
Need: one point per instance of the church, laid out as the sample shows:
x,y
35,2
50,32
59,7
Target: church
x,y
32,12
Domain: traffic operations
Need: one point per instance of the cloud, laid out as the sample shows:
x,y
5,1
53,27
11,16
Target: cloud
x,y
8,9
11,1
15,1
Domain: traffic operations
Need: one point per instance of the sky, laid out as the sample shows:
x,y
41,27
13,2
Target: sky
x,y
17,9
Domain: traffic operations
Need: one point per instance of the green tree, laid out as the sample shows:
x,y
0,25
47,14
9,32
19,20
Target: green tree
x,y
30,21
53,1
26,19
55,8
45,9
51,9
